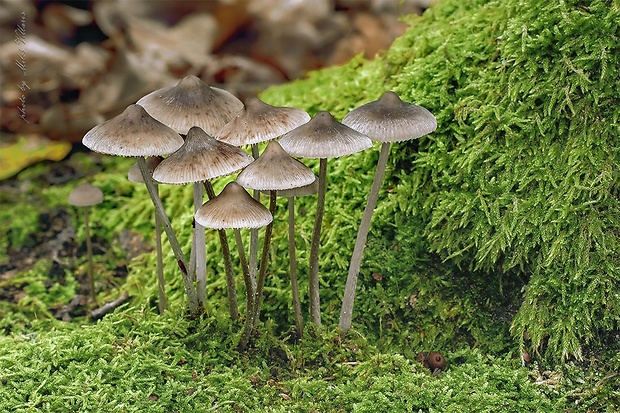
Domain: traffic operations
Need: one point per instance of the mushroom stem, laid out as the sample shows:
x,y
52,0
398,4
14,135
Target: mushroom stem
x,y
200,250
248,326
161,282
313,275
253,264
89,253
299,321
249,285
262,273
192,300
233,307
346,312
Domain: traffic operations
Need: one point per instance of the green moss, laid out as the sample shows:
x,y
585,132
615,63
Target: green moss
x,y
520,182
135,360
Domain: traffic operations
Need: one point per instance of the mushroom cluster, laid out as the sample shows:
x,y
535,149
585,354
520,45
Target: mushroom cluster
x,y
193,133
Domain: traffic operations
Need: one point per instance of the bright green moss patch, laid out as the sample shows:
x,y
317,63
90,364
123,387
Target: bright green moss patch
x,y
520,183
137,361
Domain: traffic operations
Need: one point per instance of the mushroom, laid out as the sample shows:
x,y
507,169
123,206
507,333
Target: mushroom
x,y
436,362
192,102
386,120
259,122
272,171
235,208
84,196
135,133
290,194
134,175
200,159
322,137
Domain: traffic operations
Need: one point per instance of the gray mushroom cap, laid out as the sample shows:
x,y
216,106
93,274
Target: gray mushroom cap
x,y
132,133
389,119
324,137
85,195
275,170
233,208
192,102
201,158
259,122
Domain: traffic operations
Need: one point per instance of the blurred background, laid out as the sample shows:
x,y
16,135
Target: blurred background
x,y
68,65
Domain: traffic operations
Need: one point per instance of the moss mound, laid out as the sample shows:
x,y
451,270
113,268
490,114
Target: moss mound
x,y
516,196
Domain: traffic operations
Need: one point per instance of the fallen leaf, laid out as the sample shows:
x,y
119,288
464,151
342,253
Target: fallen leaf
x,y
17,156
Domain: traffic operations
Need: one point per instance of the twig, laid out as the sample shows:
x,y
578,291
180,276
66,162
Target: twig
x,y
98,313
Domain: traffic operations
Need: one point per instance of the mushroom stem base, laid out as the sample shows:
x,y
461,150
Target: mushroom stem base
x,y
346,312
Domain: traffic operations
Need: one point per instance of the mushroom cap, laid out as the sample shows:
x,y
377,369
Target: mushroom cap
x,y
85,195
389,119
134,174
311,189
275,170
201,158
436,360
259,122
233,208
324,137
192,102
132,133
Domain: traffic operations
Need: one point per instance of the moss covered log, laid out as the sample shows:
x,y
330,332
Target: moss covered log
x,y
517,193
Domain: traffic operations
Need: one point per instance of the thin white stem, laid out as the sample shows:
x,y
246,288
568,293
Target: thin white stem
x,y
233,307
201,250
313,275
346,312
250,286
89,253
161,281
264,260
253,264
190,291
299,319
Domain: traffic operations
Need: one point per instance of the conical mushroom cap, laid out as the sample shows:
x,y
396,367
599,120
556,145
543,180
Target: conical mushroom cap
x,y
201,158
134,174
260,122
324,137
233,208
132,133
85,195
389,119
275,170
192,103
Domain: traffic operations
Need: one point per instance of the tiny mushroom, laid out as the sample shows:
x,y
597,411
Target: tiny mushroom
x,y
134,175
322,137
386,120
235,208
274,170
200,159
436,362
259,122
193,103
135,133
290,194
84,196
